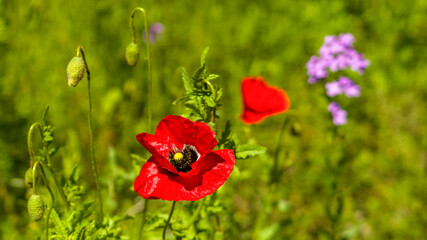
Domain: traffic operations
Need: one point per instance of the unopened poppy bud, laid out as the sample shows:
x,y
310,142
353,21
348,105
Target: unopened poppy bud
x,y
36,207
29,177
132,54
75,71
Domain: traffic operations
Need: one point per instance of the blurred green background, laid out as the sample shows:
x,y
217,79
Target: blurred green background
x,y
384,180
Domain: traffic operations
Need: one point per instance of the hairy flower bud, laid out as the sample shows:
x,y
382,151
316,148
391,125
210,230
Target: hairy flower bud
x,y
36,207
75,71
29,177
132,54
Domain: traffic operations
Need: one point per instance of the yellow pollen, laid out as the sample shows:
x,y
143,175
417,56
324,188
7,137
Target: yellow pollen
x,y
178,156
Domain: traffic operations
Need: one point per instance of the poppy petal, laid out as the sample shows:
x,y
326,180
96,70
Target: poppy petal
x,y
182,131
261,100
155,182
159,148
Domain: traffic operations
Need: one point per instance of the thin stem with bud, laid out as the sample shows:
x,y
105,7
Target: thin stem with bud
x,y
147,40
80,51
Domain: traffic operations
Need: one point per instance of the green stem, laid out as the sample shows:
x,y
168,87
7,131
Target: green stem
x,y
43,174
144,213
147,40
167,222
58,188
34,177
274,170
30,142
196,213
92,148
53,200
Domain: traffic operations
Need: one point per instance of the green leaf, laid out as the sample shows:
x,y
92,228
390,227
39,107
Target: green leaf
x,y
187,84
53,151
209,101
203,57
268,232
249,150
48,139
213,126
155,221
44,117
212,77
185,97
218,94
198,75
225,133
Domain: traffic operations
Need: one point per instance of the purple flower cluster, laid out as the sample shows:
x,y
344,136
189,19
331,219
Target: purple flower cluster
x,y
342,85
339,115
154,32
336,53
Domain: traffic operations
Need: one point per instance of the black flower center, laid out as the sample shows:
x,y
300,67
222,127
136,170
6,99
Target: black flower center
x,y
182,160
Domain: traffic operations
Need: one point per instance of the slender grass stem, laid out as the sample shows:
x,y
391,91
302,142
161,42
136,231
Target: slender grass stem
x,y
167,222
275,172
92,148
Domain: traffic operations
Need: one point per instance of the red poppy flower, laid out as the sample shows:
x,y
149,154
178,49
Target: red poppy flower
x,y
183,165
261,100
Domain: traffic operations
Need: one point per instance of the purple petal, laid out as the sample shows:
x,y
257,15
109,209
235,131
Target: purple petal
x,y
347,39
339,117
333,89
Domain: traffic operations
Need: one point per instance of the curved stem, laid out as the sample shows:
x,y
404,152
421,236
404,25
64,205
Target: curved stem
x,y
34,177
212,89
30,142
147,40
92,148
167,222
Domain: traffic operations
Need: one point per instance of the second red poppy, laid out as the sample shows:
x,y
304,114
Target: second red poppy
x,y
261,100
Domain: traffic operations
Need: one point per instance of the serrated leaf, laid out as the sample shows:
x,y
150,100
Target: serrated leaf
x,y
203,57
44,116
187,84
218,94
225,133
209,101
235,139
249,150
156,221
48,139
212,77
198,76
53,151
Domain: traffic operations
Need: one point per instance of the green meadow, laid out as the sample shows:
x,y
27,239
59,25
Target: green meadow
x,y
366,179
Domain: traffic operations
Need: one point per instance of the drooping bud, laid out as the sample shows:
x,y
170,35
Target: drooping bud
x,y
132,54
29,177
36,207
75,71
